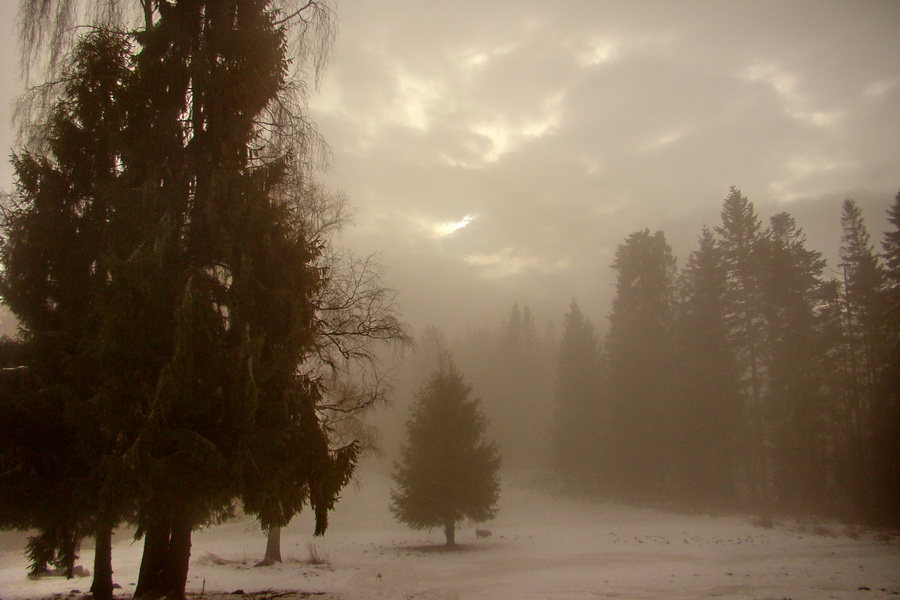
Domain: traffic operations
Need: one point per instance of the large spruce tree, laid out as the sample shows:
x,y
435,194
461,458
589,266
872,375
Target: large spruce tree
x,y
795,362
640,350
707,407
739,238
188,270
447,471
56,276
886,413
862,343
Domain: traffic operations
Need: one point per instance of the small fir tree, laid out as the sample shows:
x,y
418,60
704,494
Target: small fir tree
x,y
447,471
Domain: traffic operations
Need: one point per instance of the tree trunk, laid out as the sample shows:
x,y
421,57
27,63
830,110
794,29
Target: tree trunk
x,y
450,533
151,582
273,547
68,552
167,555
102,586
179,556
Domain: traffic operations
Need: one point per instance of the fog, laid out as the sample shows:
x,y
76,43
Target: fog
x,y
552,132
499,153
502,159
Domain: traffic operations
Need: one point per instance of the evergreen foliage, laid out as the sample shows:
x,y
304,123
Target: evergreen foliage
x,y
861,344
56,276
160,261
766,384
886,441
707,406
448,471
794,361
739,238
579,402
517,406
640,350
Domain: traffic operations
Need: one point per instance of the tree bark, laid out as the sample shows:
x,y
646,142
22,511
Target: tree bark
x,y
151,582
102,586
450,533
273,547
179,556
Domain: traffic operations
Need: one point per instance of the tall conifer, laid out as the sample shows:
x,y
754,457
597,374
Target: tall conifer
x,y
578,424
739,237
205,309
795,361
641,356
708,403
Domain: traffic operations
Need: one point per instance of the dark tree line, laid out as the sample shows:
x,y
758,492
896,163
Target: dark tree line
x,y
183,321
750,377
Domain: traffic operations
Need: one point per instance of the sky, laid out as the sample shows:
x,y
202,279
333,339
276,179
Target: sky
x,y
497,152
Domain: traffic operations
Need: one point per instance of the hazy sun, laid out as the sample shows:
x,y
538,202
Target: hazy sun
x,y
444,229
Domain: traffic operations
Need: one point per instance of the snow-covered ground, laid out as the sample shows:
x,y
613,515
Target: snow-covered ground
x,y
543,546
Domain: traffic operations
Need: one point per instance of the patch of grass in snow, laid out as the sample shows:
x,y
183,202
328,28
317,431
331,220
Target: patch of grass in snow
x,y
764,521
436,549
214,559
316,555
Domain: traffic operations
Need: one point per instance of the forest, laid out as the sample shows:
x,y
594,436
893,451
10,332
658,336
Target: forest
x,y
750,378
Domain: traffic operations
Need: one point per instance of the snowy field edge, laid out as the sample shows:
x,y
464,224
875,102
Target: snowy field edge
x,y
542,545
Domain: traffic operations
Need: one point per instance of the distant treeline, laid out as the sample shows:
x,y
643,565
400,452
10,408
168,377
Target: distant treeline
x,y
749,378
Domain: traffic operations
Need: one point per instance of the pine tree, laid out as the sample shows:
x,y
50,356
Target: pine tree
x,y
862,342
640,363
708,404
886,443
863,283
55,255
507,365
891,255
207,275
578,420
739,237
795,361
447,471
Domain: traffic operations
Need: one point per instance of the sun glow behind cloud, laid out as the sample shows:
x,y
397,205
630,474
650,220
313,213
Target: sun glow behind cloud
x,y
442,230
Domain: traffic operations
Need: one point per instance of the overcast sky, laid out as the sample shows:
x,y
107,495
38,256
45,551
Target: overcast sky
x,y
499,151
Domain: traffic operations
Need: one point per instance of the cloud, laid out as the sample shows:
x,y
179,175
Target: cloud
x,y
598,51
567,127
505,136
442,230
786,86
512,261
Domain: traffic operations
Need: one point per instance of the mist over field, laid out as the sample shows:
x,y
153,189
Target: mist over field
x,y
508,299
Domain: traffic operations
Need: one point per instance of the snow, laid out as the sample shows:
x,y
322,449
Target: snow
x,y
543,546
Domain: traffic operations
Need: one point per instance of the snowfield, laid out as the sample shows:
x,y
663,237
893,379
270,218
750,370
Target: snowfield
x,y
542,546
